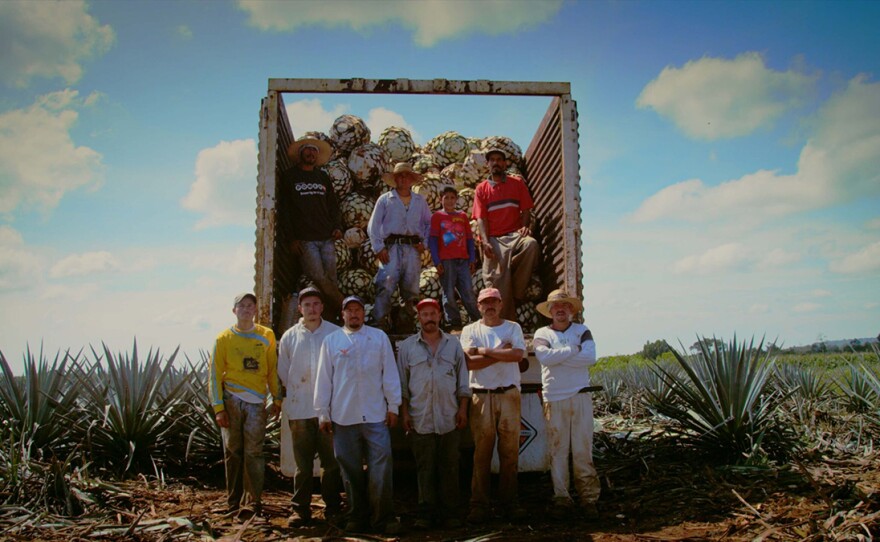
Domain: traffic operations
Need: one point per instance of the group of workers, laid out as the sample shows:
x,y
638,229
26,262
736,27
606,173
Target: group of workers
x,y
342,389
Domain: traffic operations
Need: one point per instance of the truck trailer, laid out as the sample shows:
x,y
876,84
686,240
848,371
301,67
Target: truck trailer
x,y
551,168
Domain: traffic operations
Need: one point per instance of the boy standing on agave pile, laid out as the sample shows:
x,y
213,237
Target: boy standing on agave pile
x,y
452,250
243,365
566,351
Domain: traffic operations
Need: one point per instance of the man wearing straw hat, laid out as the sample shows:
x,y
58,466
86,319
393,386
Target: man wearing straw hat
x,y
566,350
398,231
313,218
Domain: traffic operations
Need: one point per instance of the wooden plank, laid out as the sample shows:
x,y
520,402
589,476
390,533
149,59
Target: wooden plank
x,y
358,85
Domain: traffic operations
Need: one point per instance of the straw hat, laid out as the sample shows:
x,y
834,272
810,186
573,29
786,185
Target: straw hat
x,y
401,168
559,296
324,150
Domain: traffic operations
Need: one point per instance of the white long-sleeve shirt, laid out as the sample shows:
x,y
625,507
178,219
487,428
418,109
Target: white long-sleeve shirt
x,y
298,354
564,359
357,379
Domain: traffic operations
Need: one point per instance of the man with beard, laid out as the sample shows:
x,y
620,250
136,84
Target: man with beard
x,y
494,347
299,349
313,216
502,207
434,384
357,396
566,350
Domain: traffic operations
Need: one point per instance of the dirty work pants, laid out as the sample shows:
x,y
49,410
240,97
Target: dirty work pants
x,y
570,429
243,449
319,264
495,417
404,267
307,441
369,493
510,271
437,472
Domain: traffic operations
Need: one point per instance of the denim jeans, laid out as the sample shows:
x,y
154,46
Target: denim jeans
x,y
404,267
495,417
319,264
570,429
243,449
457,274
308,440
437,472
369,494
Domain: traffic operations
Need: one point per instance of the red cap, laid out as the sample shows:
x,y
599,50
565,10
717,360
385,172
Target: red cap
x,y
428,301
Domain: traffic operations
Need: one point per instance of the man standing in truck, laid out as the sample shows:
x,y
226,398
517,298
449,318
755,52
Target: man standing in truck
x,y
357,396
434,385
502,206
313,216
566,351
299,349
398,231
494,348
243,366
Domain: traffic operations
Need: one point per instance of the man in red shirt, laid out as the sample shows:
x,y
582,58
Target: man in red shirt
x,y
502,205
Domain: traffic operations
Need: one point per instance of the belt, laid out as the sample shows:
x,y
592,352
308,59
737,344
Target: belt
x,y
494,390
588,389
403,240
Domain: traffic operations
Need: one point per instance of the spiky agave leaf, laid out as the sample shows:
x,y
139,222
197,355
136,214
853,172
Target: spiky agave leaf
x,y
725,403
130,409
40,405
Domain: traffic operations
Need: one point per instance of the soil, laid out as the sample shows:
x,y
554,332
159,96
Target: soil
x,y
653,489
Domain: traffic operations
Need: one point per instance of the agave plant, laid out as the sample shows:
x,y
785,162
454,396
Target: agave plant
x,y
201,442
724,402
859,386
129,409
807,389
38,406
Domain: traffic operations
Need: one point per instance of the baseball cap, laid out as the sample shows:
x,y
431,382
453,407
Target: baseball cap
x,y
241,297
426,302
351,298
310,290
487,293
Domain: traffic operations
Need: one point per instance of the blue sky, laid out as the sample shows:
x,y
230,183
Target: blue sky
x,y
730,153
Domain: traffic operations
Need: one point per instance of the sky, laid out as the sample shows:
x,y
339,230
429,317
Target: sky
x,y
729,154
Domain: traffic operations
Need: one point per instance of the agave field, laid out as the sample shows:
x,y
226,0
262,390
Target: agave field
x,y
723,442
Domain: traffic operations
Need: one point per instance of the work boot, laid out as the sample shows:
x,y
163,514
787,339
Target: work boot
x,y
297,519
478,516
590,512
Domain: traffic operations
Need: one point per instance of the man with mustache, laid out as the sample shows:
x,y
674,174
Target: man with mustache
x,y
502,205
357,396
434,384
566,350
494,347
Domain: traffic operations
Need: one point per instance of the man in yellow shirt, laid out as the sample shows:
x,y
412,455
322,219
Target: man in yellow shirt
x,y
243,366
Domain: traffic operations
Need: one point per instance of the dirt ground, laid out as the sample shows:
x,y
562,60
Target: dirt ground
x,y
652,490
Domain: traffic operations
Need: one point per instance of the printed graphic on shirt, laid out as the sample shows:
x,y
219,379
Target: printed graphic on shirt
x,y
453,235
251,364
310,189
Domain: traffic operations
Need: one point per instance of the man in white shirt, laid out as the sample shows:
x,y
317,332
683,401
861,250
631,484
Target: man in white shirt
x,y
297,368
357,396
566,351
494,348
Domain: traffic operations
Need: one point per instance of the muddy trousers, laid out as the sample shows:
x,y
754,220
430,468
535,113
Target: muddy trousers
x,y
307,441
516,257
570,430
495,417
243,449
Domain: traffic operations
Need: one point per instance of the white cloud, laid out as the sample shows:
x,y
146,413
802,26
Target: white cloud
x,y
69,294
807,307
714,98
48,39
873,224
183,31
431,20
867,260
839,163
310,116
731,257
820,293
225,189
759,308
87,263
380,118
31,175
19,266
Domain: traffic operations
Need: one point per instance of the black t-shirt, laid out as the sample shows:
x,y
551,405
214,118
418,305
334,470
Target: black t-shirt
x,y
312,210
